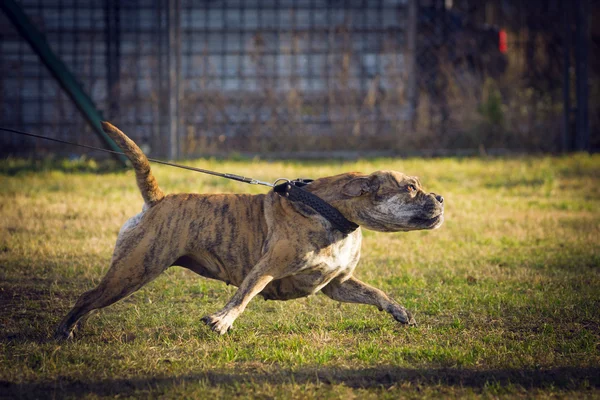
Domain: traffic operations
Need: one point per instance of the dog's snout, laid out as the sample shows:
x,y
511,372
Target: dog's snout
x,y
439,198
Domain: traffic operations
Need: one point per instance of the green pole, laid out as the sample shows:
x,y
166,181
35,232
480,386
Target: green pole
x,y
59,71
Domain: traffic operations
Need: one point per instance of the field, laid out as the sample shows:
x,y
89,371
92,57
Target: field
x,y
506,293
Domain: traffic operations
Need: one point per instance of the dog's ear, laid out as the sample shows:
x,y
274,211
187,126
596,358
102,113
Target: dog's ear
x,y
359,186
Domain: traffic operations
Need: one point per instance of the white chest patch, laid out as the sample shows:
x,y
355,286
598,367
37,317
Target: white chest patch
x,y
340,258
345,253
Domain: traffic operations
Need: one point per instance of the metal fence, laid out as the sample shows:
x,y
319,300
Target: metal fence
x,y
185,78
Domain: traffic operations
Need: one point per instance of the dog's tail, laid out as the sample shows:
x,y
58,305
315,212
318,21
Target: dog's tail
x,y
147,183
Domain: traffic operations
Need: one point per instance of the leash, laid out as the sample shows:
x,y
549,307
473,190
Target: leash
x,y
291,189
234,177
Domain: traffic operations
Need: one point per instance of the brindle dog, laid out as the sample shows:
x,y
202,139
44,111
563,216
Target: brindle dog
x,y
263,244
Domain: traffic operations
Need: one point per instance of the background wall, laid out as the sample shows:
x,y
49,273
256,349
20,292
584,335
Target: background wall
x,y
187,78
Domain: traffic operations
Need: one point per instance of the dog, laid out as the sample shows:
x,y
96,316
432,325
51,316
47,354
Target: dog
x,y
263,244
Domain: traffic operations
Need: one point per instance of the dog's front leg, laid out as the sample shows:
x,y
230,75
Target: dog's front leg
x,y
267,269
354,291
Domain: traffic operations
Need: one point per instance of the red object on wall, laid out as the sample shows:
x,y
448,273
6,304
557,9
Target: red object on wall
x,y
502,41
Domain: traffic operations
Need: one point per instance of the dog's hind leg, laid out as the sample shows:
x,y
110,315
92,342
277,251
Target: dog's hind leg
x,y
354,291
128,273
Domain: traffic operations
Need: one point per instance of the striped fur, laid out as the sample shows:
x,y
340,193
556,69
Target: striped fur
x,y
263,244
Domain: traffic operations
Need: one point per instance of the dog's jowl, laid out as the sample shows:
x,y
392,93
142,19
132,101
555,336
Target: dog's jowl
x,y
263,244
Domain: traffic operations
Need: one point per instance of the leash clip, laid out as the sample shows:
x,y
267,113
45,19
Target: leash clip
x,y
281,179
288,187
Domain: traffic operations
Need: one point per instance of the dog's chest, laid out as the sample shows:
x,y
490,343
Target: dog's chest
x,y
316,270
337,259
339,256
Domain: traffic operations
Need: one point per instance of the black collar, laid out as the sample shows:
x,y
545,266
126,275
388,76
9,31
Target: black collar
x,y
293,191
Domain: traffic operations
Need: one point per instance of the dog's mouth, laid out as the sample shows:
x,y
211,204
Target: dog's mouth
x,y
428,223
405,218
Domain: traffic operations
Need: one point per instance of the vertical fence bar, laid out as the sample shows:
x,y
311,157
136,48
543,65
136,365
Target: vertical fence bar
x,y
158,139
40,77
581,52
329,60
112,46
566,139
174,57
411,62
379,68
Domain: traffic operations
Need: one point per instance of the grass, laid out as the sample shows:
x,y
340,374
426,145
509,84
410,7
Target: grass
x,y
506,293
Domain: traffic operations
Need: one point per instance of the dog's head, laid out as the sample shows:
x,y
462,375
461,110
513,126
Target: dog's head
x,y
386,201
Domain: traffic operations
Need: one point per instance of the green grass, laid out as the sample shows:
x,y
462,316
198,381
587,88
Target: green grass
x,y
506,293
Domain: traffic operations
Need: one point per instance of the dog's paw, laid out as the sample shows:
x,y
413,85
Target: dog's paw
x,y
402,315
218,323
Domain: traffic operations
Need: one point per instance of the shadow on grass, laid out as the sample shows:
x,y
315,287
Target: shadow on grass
x,y
31,306
381,377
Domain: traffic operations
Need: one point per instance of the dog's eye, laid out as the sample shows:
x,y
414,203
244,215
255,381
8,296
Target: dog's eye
x,y
411,188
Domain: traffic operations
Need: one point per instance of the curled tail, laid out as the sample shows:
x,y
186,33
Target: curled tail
x,y
147,183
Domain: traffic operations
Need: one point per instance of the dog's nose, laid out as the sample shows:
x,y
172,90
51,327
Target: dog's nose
x,y
439,198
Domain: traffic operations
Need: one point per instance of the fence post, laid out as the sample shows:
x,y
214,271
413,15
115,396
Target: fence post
x,y
112,36
566,142
411,61
174,65
581,59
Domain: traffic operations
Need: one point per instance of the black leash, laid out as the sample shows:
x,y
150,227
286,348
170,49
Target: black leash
x,y
204,171
291,190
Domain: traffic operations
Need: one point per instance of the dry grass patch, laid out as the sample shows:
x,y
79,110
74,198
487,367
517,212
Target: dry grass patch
x,y
506,293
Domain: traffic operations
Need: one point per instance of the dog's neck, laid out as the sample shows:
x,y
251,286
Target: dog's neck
x,y
330,190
